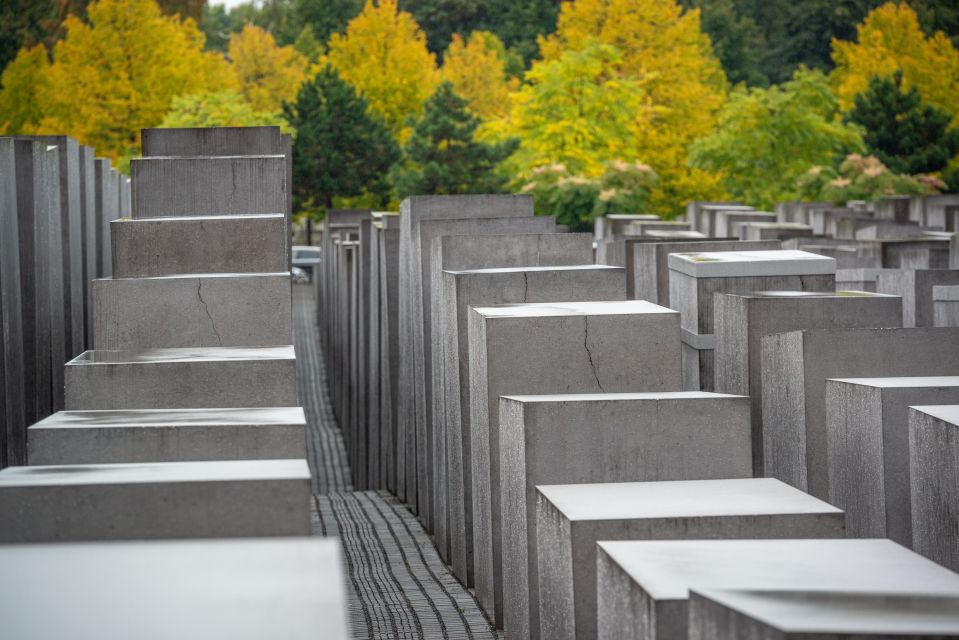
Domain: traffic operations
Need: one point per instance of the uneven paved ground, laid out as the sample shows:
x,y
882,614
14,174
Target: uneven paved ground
x,y
399,588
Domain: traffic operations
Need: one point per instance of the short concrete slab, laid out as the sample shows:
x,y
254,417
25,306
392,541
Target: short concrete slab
x,y
190,590
168,435
238,499
945,306
934,468
571,519
644,585
915,286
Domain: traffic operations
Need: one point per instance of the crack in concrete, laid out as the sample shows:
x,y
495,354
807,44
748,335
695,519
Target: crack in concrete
x,y
199,295
525,285
589,354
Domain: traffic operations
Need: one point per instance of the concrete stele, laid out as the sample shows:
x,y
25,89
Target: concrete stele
x,y
934,468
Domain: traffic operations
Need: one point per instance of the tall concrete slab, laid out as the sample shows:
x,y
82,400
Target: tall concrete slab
x,y
13,400
562,347
796,366
389,350
88,229
106,205
933,456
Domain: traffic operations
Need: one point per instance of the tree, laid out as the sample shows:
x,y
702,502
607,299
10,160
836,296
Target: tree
x,y
905,135
683,80
120,73
325,17
442,156
889,39
861,178
21,85
737,40
441,19
383,54
341,149
477,70
268,75
220,109
519,23
766,138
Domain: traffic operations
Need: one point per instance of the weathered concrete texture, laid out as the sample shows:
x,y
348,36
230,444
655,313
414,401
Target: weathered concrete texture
x,y
567,439
191,590
106,206
915,287
848,254
703,215
71,241
478,288
827,221
867,435
694,278
647,269
727,222
13,400
389,351
615,224
144,501
915,253
858,279
934,468
773,230
210,310
742,319
225,185
795,368
643,586
642,227
571,519
371,368
826,614
945,306
415,392
211,141
563,347
88,229
168,435
208,244
206,377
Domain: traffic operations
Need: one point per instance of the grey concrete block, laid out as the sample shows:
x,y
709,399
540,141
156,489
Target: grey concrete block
x,y
209,377
571,519
895,208
773,230
848,254
211,141
482,287
203,244
414,419
934,476
215,310
647,269
374,465
389,352
642,227
832,615
858,279
694,278
144,501
828,221
615,224
915,287
568,439
563,347
224,185
742,319
88,226
13,399
643,586
153,590
867,435
106,206
675,234
704,215
915,253
945,306
728,221
168,435
796,366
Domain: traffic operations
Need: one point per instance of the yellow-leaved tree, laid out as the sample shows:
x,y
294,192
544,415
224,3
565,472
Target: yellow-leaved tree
x,y
268,75
477,70
120,72
889,39
685,85
383,54
21,85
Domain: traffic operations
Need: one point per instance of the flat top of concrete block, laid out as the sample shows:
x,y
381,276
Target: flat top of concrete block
x,y
945,412
903,382
184,354
945,292
842,612
152,472
477,205
194,276
718,264
613,397
726,207
778,225
200,219
275,156
811,294
577,267
285,588
177,417
551,309
681,499
632,216
667,569
673,233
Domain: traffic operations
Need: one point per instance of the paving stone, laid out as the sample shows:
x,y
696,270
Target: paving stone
x,y
572,518
563,347
934,474
564,439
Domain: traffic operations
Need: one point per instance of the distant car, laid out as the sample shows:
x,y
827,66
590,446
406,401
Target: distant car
x,y
300,276
306,258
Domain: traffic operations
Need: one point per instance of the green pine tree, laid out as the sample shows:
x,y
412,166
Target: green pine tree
x,y
907,136
341,148
443,157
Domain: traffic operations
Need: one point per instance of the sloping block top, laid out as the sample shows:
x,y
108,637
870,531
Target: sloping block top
x,y
173,417
723,264
183,354
559,309
946,412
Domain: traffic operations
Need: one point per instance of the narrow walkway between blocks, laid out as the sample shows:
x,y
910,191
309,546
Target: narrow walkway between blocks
x,y
399,588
